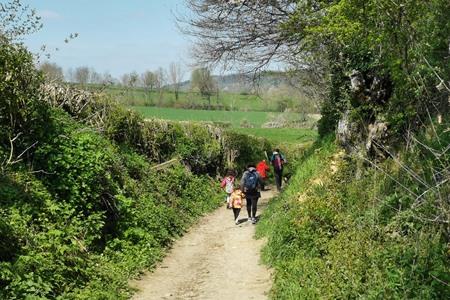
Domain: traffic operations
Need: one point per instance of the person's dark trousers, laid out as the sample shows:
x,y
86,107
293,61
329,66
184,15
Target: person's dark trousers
x,y
252,203
236,212
278,178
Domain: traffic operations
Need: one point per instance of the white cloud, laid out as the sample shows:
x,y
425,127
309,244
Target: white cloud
x,y
49,14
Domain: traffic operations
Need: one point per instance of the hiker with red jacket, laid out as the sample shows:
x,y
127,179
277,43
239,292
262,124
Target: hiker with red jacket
x,y
278,161
250,185
262,167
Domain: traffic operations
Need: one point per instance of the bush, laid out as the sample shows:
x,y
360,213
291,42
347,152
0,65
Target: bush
x,y
20,110
94,210
331,235
244,149
203,147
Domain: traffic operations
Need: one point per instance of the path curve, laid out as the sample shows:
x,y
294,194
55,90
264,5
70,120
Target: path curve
x,y
216,259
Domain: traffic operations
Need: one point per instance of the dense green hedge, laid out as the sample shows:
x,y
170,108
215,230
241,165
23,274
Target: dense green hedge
x,y
89,214
20,108
336,236
204,148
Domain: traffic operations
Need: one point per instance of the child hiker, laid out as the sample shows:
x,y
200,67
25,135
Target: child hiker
x,y
236,202
228,185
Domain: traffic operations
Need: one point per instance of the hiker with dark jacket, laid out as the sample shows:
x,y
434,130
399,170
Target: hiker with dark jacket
x,y
278,161
250,184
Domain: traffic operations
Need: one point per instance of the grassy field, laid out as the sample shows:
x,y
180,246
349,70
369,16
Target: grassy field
x,y
282,135
229,101
234,118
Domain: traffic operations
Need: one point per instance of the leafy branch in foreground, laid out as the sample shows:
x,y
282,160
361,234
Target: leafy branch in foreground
x,y
17,20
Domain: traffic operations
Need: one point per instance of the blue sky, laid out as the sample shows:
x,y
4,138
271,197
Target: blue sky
x,y
116,36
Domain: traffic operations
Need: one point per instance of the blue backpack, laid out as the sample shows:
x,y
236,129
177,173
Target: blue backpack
x,y
251,181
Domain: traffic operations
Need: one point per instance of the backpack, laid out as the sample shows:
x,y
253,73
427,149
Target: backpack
x,y
251,181
229,185
277,162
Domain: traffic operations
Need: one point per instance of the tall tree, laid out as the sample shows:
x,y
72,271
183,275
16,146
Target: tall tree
x,y
134,79
396,51
52,71
82,75
203,82
95,77
149,80
108,79
175,77
130,80
161,81
125,79
70,75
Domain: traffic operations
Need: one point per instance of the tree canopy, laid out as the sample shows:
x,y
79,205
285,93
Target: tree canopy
x,y
202,80
399,48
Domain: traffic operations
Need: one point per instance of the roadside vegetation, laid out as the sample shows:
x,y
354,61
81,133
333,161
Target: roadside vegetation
x,y
366,213
338,233
85,204
92,192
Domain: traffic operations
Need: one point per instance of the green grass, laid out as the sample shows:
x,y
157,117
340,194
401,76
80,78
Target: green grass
x,y
334,236
277,136
235,118
139,96
282,135
230,101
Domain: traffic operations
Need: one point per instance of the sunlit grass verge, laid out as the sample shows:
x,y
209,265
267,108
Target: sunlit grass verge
x,y
334,236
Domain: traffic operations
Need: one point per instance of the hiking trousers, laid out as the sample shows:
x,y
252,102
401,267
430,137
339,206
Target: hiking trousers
x,y
252,203
236,212
278,178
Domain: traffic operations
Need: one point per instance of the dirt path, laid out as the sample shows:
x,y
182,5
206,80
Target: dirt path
x,y
215,260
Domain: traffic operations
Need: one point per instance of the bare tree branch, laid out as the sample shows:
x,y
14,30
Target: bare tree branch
x,y
240,32
11,151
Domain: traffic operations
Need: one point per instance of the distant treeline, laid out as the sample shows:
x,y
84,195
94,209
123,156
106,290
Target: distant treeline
x,y
270,91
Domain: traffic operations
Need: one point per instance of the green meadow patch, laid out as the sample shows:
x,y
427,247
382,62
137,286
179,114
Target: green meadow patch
x,y
288,136
233,118
222,101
